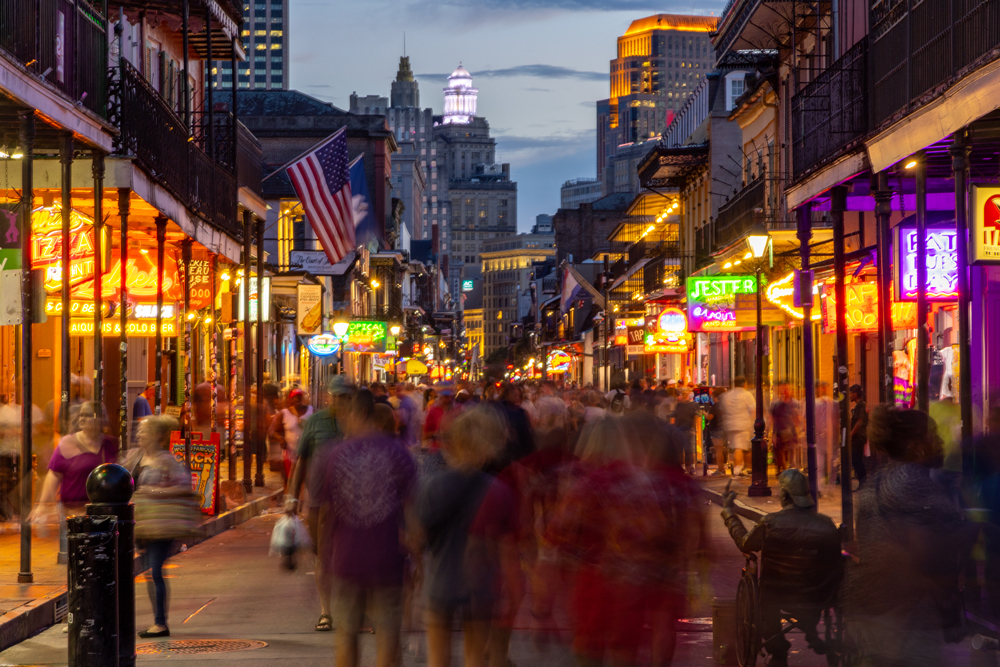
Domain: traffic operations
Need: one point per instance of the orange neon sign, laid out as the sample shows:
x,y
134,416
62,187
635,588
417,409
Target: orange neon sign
x,y
862,309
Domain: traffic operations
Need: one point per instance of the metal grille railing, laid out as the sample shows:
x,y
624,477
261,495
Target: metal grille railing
x,y
63,41
736,216
831,111
151,132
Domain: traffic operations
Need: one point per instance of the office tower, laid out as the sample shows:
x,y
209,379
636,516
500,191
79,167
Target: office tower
x,y
265,36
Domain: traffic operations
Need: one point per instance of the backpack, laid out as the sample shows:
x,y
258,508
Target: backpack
x,y
618,402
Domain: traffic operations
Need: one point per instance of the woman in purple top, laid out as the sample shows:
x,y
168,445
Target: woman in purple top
x,y
75,458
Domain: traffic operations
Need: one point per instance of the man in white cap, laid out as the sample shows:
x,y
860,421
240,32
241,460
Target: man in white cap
x,y
800,565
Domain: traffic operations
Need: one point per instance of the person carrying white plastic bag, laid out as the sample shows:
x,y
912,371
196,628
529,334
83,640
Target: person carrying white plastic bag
x,y
289,536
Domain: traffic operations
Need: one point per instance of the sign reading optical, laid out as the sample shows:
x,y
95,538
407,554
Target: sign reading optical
x,y
365,337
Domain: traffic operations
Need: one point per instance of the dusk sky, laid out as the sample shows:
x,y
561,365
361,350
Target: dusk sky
x,y
539,65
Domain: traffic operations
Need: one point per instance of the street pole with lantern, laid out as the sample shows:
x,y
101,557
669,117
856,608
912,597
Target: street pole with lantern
x,y
758,241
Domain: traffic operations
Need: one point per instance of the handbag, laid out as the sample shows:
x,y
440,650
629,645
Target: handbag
x,y
166,514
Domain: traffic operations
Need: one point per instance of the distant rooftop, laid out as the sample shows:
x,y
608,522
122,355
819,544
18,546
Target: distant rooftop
x,y
281,103
673,22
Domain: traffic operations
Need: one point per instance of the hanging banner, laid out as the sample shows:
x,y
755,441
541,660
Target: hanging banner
x,y
941,261
204,466
309,317
984,224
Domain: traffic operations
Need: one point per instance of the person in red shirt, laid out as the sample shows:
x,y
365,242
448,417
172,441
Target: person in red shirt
x,y
434,423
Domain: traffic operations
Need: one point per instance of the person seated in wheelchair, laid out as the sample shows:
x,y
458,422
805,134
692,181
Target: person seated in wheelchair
x,y
800,568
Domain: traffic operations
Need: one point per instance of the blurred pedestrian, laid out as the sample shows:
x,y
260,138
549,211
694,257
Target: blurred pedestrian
x,y
901,596
468,518
739,411
717,432
286,429
685,416
827,428
162,487
363,486
323,429
75,457
785,423
436,414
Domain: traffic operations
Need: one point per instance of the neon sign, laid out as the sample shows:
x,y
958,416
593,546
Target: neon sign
x,y
365,337
671,336
782,294
559,361
941,260
712,301
140,328
862,310
323,345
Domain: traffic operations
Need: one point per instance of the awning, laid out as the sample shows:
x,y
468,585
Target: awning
x,y
671,167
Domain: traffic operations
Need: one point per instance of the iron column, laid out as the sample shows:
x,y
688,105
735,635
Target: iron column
x,y
883,210
161,240
838,203
960,165
24,575
123,210
923,363
66,159
247,265
98,171
808,370
260,444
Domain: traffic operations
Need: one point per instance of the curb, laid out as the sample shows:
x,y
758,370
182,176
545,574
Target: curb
x,y
42,613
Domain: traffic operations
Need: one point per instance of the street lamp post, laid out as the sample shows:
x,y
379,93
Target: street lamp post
x,y
758,240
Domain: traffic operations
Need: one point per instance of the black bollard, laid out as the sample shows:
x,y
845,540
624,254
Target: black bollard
x,y
109,488
93,591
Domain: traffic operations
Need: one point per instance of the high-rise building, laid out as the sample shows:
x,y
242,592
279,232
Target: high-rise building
x,y
507,273
265,36
661,61
543,224
468,198
579,191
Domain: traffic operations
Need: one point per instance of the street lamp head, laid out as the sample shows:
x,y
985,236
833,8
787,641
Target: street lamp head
x,y
394,330
340,328
757,240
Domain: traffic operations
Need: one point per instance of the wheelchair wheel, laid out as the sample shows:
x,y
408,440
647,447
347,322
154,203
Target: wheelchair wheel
x,y
747,631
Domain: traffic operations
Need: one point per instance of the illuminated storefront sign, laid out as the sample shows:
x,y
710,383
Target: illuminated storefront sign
x,y
668,334
630,332
985,225
365,337
942,264
559,361
712,301
781,293
323,345
862,309
140,328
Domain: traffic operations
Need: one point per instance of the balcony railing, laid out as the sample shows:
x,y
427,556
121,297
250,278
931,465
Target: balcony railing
x,y
831,111
917,48
151,132
63,41
736,216
219,146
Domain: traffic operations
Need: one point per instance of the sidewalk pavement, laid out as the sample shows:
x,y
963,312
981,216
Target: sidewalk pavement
x,y
26,609
754,507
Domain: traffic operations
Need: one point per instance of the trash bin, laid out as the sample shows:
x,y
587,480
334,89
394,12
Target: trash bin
x,y
724,631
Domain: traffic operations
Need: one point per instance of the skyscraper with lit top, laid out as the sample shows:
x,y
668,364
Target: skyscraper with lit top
x,y
265,36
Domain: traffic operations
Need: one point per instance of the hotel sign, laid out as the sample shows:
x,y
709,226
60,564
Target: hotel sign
x,y
985,225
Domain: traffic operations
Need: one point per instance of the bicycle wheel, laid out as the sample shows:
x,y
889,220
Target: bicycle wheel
x,y
747,632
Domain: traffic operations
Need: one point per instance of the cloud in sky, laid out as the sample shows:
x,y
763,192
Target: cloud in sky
x,y
538,71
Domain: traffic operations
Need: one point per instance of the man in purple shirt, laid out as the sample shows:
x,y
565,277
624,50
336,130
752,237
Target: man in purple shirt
x,y
365,485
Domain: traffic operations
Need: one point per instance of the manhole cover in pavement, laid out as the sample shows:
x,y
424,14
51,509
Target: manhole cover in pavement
x,y
192,646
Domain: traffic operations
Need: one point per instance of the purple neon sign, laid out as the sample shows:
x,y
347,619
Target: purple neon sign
x,y
941,260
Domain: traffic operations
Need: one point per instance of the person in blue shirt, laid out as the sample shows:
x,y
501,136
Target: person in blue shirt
x,y
141,408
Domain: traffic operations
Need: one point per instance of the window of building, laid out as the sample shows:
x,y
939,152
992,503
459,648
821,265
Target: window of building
x,y
736,87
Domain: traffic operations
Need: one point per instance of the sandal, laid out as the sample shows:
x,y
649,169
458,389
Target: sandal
x,y
325,623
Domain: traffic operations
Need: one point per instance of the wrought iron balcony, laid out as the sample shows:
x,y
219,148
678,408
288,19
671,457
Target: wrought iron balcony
x,y
831,111
158,140
737,216
64,42
919,48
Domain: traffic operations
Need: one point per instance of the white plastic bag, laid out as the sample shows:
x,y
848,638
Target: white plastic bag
x,y
289,535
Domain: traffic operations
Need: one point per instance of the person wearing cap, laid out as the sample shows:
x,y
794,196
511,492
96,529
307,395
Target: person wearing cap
x,y
286,428
319,431
800,561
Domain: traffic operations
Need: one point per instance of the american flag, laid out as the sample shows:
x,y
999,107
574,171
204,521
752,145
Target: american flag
x,y
323,182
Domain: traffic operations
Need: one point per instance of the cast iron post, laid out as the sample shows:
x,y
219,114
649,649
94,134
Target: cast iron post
x,y
808,370
98,171
838,203
758,460
161,240
66,159
24,575
960,165
887,342
123,210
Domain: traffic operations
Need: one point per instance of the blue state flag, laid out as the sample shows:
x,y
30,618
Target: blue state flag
x,y
362,205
